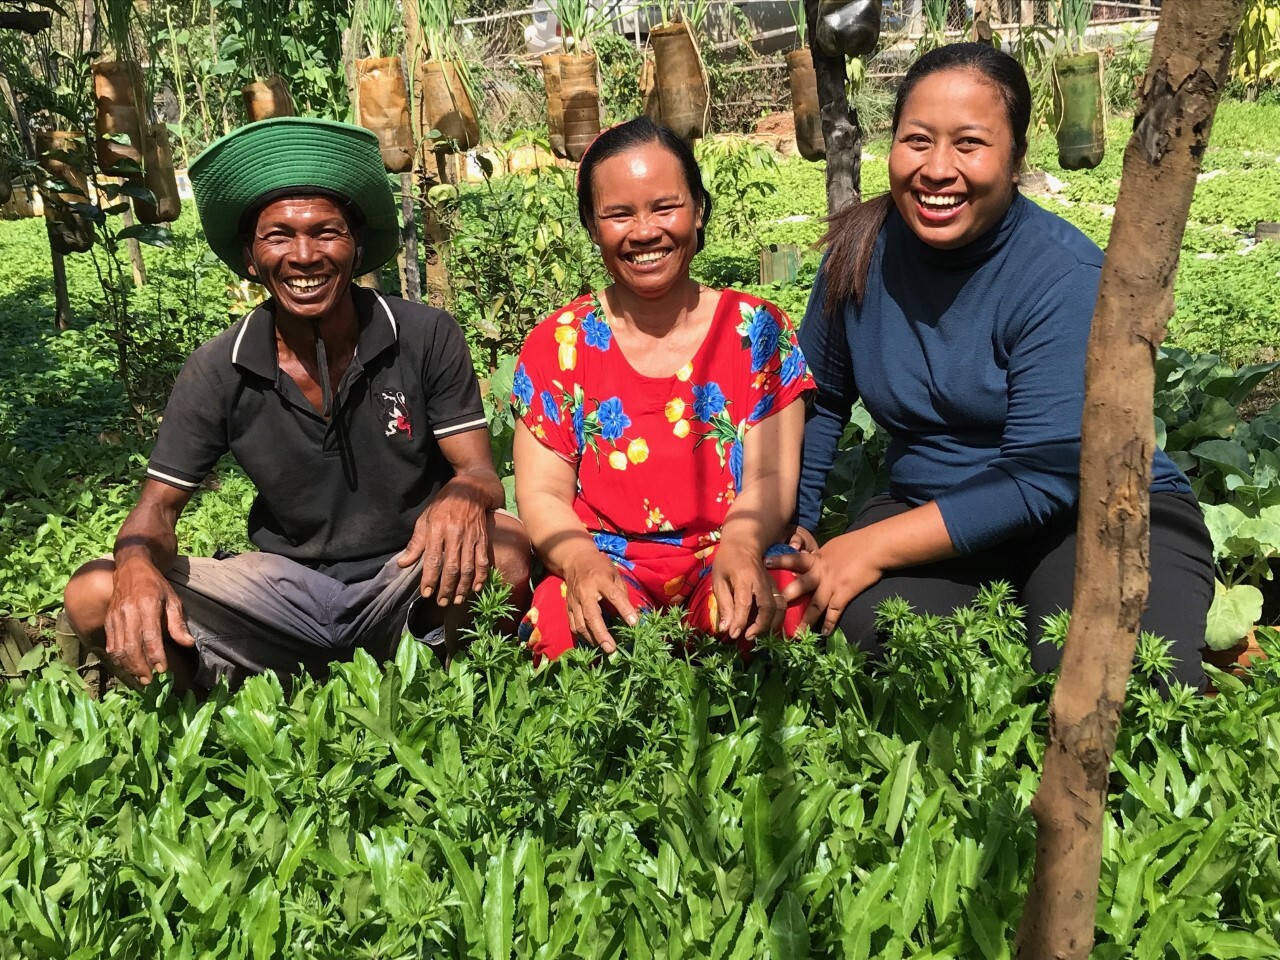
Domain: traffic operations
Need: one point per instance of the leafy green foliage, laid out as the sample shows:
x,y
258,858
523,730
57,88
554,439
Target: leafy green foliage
x,y
795,806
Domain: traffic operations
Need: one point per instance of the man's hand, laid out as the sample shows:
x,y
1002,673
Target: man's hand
x,y
143,612
452,537
590,578
739,581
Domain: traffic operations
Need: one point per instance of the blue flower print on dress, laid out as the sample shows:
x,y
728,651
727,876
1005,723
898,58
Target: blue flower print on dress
x,y
793,367
596,331
761,409
763,332
613,420
614,547
522,386
579,429
708,400
549,407
735,465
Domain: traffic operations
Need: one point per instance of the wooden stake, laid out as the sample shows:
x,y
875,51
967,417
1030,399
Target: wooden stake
x,y
410,275
840,129
1189,61
135,253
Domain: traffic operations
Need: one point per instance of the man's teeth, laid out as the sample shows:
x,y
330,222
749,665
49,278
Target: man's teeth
x,y
648,257
939,200
306,283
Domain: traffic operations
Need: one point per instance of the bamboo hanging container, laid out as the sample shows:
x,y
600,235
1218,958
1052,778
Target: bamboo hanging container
x,y
682,85
384,109
804,104
651,102
267,98
69,232
581,97
447,107
555,104
20,204
160,178
117,89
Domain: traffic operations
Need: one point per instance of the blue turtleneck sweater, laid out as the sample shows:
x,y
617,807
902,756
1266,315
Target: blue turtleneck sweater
x,y
973,360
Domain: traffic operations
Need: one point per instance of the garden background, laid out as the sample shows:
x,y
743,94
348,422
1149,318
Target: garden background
x,y
674,801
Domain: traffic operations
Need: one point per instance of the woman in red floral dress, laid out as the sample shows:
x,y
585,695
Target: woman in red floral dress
x,y
657,453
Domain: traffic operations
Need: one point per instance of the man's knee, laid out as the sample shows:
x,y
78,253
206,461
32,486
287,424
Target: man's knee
x,y
87,597
512,551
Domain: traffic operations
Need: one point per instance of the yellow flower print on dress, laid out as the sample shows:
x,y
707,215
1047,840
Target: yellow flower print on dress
x,y
618,460
681,429
674,409
567,337
685,372
638,450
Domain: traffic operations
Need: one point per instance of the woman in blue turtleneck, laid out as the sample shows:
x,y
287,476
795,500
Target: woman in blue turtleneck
x,y
958,311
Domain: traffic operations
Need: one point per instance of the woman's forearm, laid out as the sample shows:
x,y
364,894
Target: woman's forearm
x,y
554,529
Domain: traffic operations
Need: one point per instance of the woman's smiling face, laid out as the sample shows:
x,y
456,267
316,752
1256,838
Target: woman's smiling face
x,y
952,167
645,219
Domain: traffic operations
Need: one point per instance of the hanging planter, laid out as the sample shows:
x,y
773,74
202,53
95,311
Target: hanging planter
x,y
581,98
267,98
848,28
804,104
651,103
1078,110
159,177
683,93
447,107
117,89
555,104
384,109
20,203
69,231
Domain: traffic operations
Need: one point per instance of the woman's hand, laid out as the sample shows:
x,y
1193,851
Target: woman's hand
x,y
740,581
835,573
590,577
804,563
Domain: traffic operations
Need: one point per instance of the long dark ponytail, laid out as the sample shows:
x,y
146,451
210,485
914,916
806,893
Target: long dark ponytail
x,y
851,233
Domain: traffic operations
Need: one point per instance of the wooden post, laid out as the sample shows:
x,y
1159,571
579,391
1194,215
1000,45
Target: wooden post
x,y
1188,68
135,253
840,128
410,276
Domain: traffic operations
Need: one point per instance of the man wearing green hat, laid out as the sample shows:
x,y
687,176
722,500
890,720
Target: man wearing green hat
x,y
357,416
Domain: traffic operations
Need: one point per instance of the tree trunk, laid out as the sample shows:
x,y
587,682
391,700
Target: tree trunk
x,y
1188,67
410,275
840,128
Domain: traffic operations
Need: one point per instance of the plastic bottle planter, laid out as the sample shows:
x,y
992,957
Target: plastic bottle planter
x,y
69,232
555,103
779,263
267,98
1077,107
804,104
682,87
384,109
581,99
117,90
848,28
447,107
159,177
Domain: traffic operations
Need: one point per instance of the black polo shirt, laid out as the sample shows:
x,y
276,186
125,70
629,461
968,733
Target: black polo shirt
x,y
341,497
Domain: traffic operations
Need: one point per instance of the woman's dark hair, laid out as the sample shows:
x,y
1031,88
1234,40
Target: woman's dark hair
x,y
851,233
628,136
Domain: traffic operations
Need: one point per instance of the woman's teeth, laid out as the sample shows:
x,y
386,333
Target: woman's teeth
x,y
939,200
648,257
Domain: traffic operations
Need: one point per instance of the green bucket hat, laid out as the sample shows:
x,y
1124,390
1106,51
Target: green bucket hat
x,y
284,155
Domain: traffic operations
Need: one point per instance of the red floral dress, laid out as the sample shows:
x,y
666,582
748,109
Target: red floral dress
x,y
659,459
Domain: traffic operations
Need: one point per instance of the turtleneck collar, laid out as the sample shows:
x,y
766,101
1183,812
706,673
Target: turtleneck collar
x,y
972,254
